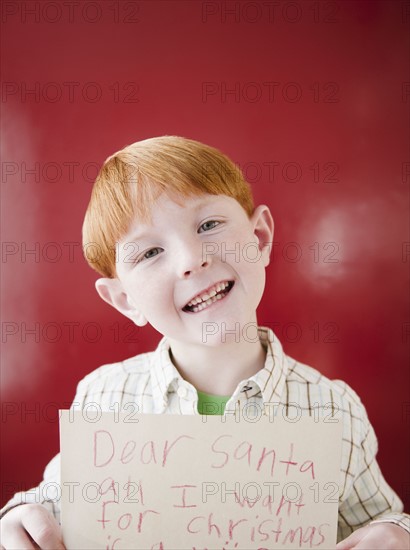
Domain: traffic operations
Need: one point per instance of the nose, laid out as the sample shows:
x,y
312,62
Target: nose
x,y
192,260
190,272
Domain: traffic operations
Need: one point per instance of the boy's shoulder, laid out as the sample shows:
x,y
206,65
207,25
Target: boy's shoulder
x,y
127,381
136,365
300,375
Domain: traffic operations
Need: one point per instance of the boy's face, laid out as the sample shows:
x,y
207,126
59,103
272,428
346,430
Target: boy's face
x,y
204,243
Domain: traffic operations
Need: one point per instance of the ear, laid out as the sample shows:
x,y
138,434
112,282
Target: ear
x,y
263,227
112,292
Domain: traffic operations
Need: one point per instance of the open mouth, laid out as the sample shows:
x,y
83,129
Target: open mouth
x,y
206,299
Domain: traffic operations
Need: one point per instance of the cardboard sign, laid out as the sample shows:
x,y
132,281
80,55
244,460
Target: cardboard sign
x,y
167,482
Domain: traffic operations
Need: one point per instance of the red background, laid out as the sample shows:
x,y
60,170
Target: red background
x,y
308,97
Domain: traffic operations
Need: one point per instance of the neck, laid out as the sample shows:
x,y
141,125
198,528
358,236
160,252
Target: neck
x,y
217,370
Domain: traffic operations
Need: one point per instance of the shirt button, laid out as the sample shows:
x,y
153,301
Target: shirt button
x,y
182,391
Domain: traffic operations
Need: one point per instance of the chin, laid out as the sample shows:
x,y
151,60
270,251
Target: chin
x,y
229,331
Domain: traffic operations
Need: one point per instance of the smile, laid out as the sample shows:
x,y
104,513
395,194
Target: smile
x,y
210,296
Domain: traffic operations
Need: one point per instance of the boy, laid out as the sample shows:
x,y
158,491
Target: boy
x,y
167,217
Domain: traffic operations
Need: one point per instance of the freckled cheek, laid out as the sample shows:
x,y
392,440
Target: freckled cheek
x,y
253,277
162,297
153,293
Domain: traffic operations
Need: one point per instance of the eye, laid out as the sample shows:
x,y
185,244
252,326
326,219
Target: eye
x,y
208,225
149,254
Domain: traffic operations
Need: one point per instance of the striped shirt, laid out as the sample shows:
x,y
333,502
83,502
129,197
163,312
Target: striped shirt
x,y
150,383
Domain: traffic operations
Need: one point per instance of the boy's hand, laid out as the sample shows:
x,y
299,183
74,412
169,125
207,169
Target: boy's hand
x,y
30,526
379,536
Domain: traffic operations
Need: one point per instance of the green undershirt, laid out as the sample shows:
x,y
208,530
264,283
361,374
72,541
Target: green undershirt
x,y
212,404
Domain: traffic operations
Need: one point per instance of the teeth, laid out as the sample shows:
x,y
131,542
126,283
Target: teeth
x,y
207,303
199,304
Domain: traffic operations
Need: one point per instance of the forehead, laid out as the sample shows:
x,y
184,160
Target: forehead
x,y
177,207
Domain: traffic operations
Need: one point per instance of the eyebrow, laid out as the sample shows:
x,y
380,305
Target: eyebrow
x,y
138,234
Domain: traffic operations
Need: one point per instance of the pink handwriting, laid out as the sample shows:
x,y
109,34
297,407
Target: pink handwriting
x,y
184,488
105,450
255,458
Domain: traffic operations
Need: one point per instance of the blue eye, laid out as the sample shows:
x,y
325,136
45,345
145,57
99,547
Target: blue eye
x,y
149,254
209,225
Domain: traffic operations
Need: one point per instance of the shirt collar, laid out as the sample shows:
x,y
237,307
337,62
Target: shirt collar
x,y
164,375
269,381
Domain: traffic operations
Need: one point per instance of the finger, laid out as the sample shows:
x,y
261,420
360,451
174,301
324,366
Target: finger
x,y
43,529
18,540
352,540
